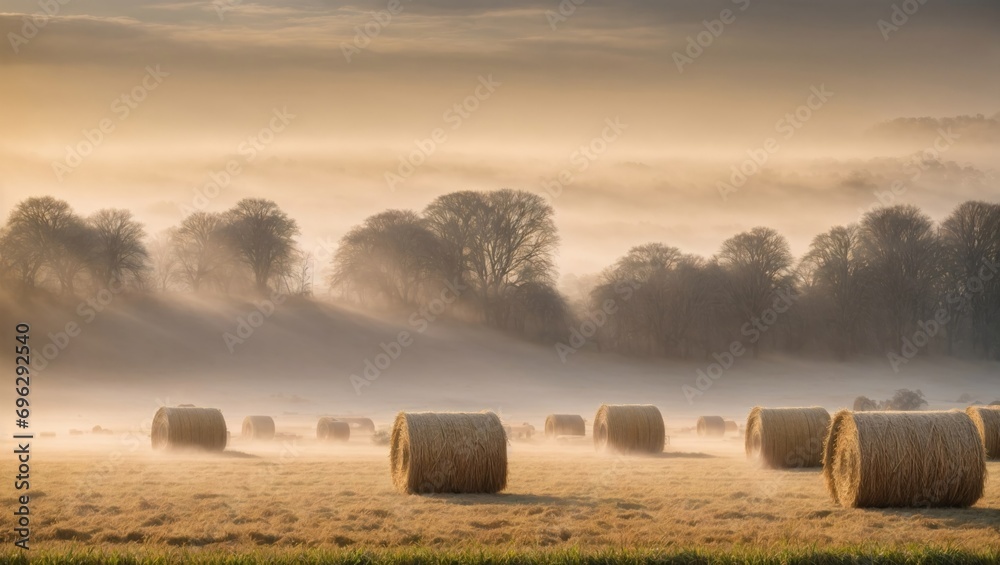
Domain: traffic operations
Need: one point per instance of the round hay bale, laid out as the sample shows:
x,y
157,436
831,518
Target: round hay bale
x,y
362,425
711,426
904,459
987,422
629,428
732,427
448,452
786,437
202,428
995,403
564,425
258,428
330,429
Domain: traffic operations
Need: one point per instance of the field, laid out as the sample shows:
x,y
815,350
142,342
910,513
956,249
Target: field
x,y
700,500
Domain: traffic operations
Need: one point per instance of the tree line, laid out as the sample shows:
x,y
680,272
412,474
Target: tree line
x,y
895,282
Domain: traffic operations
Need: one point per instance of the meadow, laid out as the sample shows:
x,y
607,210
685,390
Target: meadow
x,y
297,500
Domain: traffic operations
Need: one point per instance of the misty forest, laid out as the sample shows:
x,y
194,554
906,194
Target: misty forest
x,y
895,280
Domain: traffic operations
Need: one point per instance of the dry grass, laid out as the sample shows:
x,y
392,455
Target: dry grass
x,y
259,428
629,428
557,425
300,496
987,422
902,459
787,437
199,428
448,452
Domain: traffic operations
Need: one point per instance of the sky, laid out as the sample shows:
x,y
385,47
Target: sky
x,y
629,116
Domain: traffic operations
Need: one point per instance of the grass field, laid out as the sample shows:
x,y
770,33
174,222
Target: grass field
x,y
699,502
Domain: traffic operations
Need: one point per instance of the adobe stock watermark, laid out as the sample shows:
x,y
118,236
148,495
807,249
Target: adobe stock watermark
x,y
754,330
365,34
583,156
699,42
247,324
455,116
419,321
32,24
248,149
578,337
913,168
122,107
928,329
786,127
899,16
562,13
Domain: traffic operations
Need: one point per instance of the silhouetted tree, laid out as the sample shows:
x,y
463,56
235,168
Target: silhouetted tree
x,y
263,237
120,254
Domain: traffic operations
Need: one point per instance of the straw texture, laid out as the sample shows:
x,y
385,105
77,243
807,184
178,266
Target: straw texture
x,y
258,428
987,422
904,459
448,452
629,428
786,437
200,428
564,425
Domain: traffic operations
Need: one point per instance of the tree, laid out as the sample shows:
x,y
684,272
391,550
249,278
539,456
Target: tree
x,y
391,256
970,237
902,252
835,270
263,237
200,250
120,254
758,264
453,219
513,243
163,262
44,233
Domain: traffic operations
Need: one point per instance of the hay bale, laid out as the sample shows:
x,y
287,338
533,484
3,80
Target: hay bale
x,y
330,429
448,452
786,437
358,425
76,432
48,434
629,428
201,428
904,459
524,431
258,428
564,425
987,422
995,403
711,426
732,427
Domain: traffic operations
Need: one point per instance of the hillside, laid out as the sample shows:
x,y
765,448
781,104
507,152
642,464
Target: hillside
x,y
141,351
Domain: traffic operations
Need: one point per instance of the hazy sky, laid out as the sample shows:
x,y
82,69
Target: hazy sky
x,y
556,74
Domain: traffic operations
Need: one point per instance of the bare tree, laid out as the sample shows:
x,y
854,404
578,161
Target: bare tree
x,y
163,262
43,232
453,219
758,264
971,242
120,254
263,237
513,243
834,269
392,256
200,250
901,249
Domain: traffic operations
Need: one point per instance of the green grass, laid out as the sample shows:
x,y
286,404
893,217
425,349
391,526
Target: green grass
x,y
840,556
